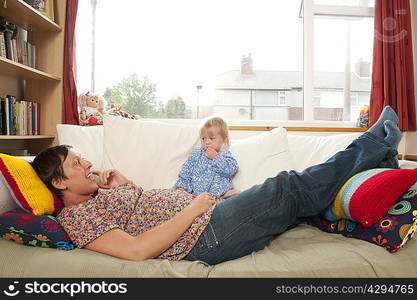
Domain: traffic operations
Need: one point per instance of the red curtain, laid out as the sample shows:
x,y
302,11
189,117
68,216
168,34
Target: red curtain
x,y
392,73
70,108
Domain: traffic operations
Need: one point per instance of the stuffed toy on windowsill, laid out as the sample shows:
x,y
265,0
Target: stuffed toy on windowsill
x,y
91,109
117,111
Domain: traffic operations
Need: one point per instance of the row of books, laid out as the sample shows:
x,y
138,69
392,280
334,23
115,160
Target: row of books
x,y
19,117
14,44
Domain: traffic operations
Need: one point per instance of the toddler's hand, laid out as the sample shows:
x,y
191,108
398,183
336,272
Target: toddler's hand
x,y
211,153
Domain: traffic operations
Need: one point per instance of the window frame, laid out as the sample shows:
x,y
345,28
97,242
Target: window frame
x,y
309,10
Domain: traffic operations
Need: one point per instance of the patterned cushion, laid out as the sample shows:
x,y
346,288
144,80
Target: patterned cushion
x,y
367,196
392,231
38,231
27,189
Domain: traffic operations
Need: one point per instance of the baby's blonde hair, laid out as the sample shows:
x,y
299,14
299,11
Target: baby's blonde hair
x,y
219,123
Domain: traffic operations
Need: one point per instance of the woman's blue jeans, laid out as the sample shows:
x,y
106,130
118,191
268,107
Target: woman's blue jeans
x,y
248,221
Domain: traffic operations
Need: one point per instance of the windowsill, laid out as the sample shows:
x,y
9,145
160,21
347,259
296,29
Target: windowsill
x,y
264,125
299,128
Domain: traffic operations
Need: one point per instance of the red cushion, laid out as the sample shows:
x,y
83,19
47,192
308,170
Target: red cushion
x,y
374,197
367,196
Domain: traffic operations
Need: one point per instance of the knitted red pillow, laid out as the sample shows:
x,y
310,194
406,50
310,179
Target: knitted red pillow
x,y
367,196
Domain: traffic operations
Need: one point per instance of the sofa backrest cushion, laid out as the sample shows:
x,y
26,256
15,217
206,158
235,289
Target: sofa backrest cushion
x,y
150,153
261,156
310,150
88,140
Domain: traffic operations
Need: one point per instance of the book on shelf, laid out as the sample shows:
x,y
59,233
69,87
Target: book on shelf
x,y
36,4
21,41
14,44
7,40
1,115
31,55
5,115
2,45
19,117
38,118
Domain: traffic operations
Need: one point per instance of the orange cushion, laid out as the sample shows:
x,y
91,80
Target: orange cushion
x,y
27,189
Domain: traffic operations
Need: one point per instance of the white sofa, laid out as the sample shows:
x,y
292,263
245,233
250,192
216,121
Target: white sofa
x,y
151,154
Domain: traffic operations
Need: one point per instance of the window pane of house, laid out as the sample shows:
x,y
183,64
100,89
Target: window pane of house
x,y
212,55
265,97
342,66
362,3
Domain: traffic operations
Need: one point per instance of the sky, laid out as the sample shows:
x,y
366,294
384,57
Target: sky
x,y
180,44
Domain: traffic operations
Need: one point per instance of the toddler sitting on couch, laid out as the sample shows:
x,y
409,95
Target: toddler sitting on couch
x,y
210,168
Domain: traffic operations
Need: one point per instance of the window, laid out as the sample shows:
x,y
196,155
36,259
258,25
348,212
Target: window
x,y
344,68
364,3
316,100
215,55
241,59
339,37
282,98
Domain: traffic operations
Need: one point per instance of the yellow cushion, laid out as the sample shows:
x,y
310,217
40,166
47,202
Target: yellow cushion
x,y
27,189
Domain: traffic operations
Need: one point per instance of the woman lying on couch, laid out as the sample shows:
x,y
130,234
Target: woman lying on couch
x,y
118,218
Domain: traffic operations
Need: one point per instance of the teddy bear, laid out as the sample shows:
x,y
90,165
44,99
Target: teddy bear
x,y
91,109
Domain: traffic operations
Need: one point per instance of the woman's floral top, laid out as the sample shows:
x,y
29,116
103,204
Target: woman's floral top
x,y
129,208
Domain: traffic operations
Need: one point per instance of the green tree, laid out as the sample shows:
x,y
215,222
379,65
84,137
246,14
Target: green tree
x,y
175,108
136,95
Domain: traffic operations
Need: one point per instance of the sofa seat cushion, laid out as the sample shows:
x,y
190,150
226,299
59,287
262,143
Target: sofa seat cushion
x,y
306,251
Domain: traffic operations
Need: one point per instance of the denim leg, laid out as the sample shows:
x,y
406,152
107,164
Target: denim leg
x,y
248,221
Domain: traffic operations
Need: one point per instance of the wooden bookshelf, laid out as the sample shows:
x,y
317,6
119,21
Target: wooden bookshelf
x,y
43,84
26,137
23,72
20,13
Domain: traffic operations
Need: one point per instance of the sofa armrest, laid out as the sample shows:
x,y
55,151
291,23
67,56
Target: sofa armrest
x,y
407,164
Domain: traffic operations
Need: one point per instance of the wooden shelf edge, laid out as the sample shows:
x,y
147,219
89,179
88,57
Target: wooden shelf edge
x,y
299,128
27,137
17,69
32,20
409,157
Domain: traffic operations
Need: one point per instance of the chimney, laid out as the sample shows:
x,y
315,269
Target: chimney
x,y
363,68
246,65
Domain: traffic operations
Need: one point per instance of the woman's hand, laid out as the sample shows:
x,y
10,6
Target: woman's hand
x,y
111,178
202,203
